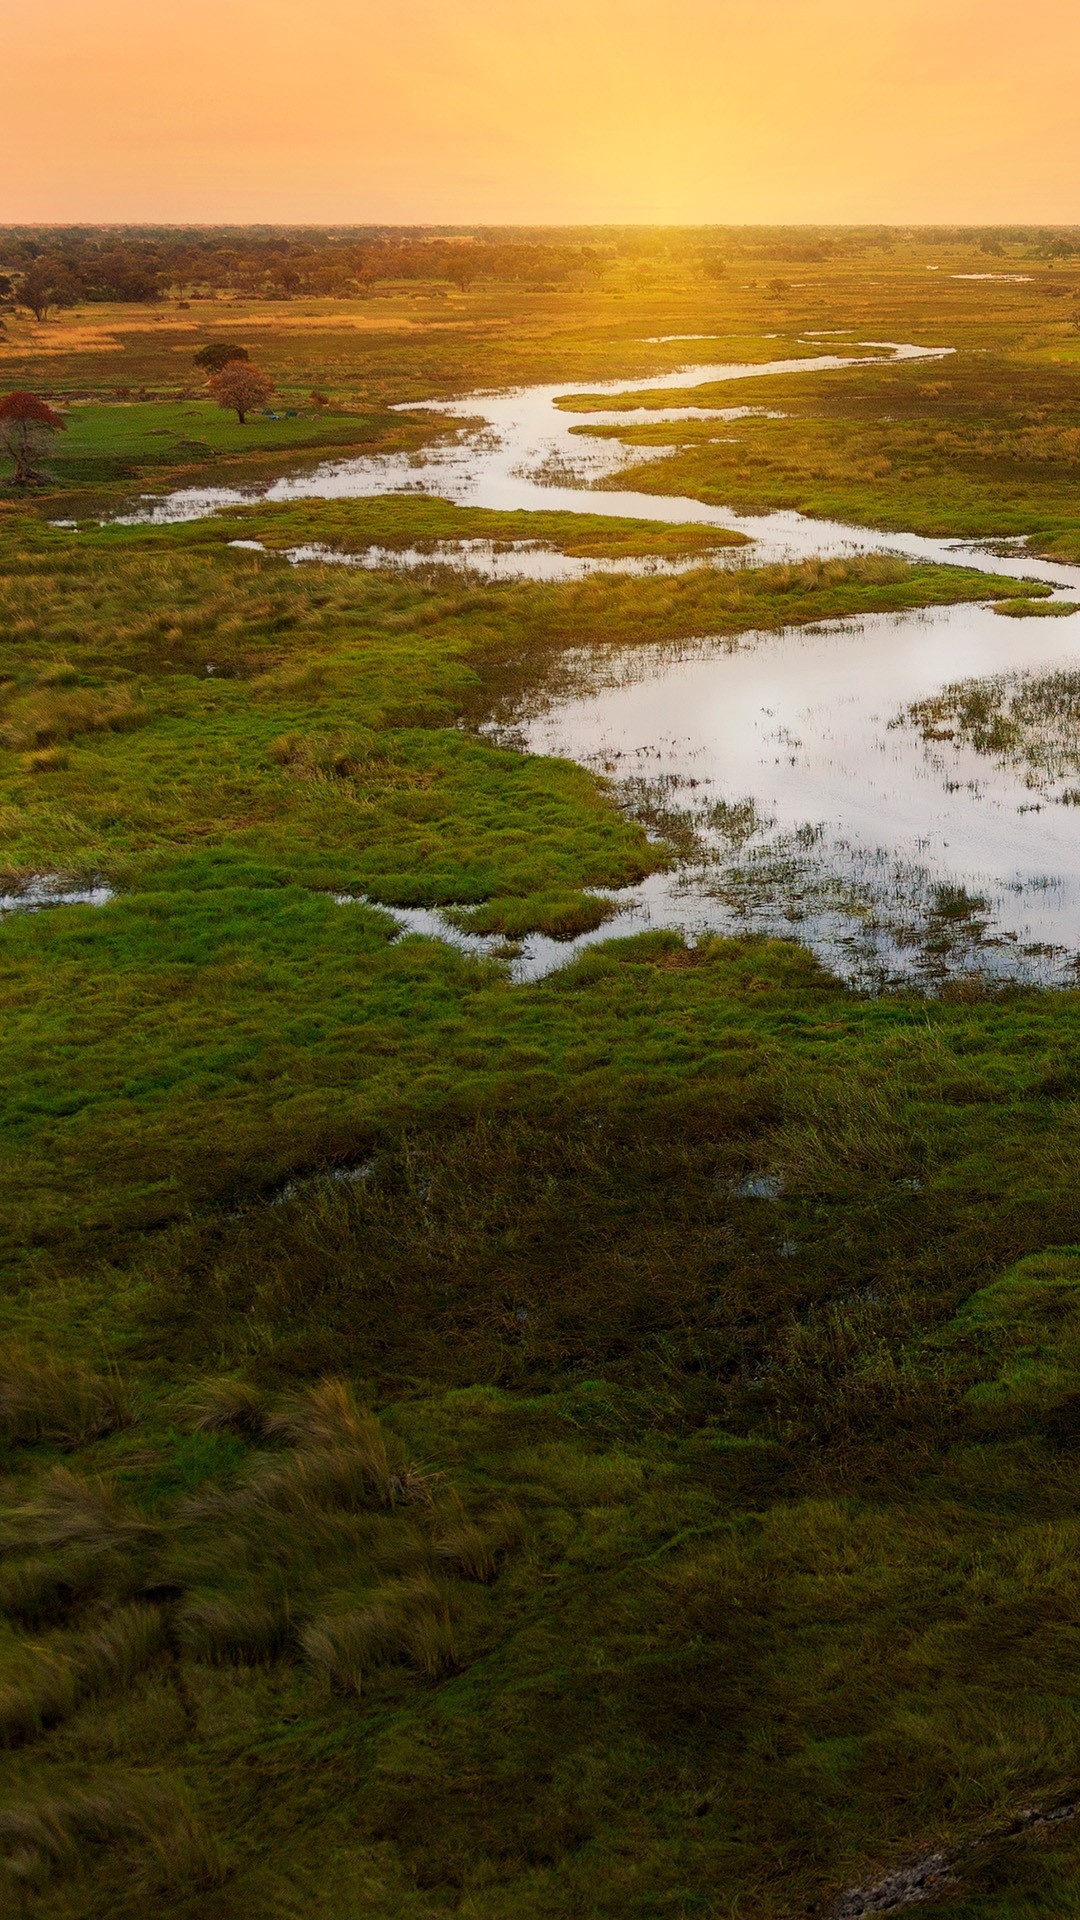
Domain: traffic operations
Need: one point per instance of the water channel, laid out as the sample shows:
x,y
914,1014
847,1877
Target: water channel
x,y
809,786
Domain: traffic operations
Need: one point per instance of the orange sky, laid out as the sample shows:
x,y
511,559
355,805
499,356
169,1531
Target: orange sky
x,y
540,110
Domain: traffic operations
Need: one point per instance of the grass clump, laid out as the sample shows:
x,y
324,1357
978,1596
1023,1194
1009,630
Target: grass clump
x,y
323,756
1026,608
104,1656
222,1630
42,1399
44,718
166,1849
227,1405
408,1621
562,917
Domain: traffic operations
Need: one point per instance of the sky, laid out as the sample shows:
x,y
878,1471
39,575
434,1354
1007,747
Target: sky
x,y
536,111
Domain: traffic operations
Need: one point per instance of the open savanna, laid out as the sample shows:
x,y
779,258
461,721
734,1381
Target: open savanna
x,y
604,1447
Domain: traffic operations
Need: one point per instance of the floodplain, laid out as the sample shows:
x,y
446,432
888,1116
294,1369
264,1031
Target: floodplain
x,y
582,1420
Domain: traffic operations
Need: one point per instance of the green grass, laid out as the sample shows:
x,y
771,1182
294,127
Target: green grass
x,y
319,756
396,520
977,445
102,445
434,1484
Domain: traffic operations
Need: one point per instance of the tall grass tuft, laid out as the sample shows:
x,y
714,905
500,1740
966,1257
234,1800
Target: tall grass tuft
x,y
323,756
74,1512
408,1621
225,1630
43,1836
121,1647
343,1456
473,1552
109,1655
43,1400
30,1706
227,1406
49,715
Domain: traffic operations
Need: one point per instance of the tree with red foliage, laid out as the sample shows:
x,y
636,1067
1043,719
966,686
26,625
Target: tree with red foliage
x,y
25,421
239,386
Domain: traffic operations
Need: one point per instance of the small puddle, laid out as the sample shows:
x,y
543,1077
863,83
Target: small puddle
x,y
52,890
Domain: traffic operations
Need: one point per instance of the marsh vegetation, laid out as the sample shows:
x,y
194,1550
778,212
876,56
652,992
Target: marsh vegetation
x,y
487,1446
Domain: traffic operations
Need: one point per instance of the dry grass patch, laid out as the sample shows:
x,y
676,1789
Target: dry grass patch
x,y
48,715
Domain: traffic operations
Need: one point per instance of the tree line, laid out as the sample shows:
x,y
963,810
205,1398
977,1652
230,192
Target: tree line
x,y
42,268
57,268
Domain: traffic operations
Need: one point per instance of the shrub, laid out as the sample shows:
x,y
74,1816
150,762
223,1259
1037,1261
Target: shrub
x,y
219,354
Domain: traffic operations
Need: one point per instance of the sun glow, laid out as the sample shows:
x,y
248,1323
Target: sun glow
x,y
552,110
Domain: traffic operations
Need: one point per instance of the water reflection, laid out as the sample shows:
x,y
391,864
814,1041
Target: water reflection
x,y
809,794
801,776
53,890
527,450
512,560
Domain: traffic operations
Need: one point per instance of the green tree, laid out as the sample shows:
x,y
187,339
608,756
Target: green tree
x,y
220,353
48,284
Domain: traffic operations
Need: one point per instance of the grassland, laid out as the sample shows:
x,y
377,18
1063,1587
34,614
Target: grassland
x,y
597,1448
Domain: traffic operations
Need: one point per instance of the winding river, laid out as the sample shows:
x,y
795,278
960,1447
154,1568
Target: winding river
x,y
812,794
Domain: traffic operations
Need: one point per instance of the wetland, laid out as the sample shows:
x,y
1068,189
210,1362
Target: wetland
x,y
540,1325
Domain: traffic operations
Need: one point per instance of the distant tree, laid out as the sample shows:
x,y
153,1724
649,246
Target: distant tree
x,y
25,424
122,274
462,266
319,399
219,354
714,266
238,387
285,279
780,288
47,284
